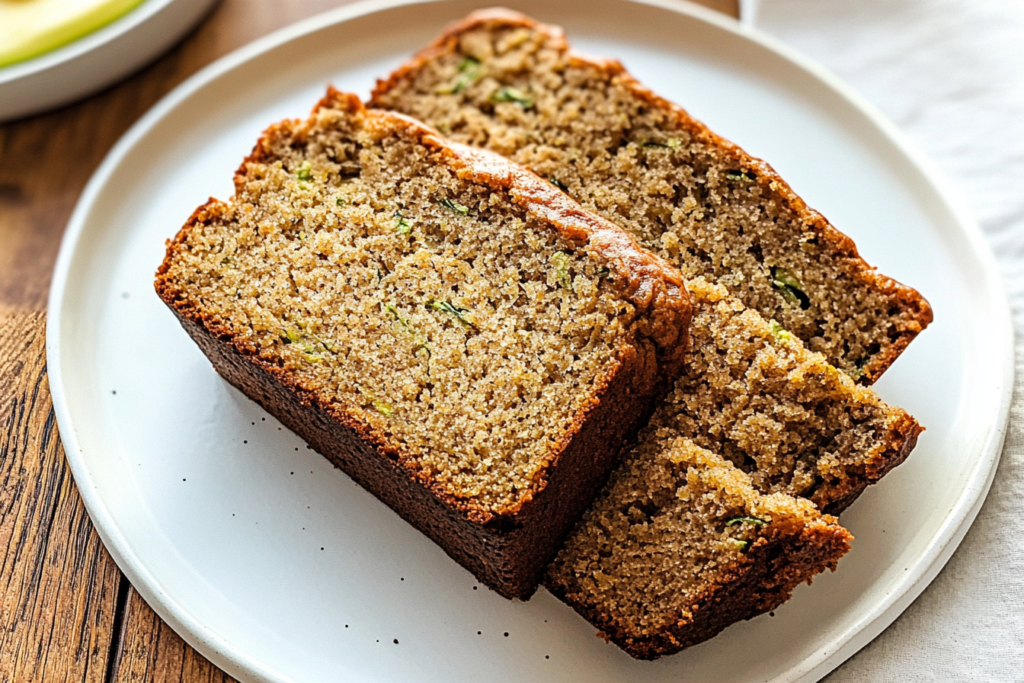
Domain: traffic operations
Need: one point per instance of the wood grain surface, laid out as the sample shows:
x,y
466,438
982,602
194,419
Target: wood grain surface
x,y
66,612
150,652
59,586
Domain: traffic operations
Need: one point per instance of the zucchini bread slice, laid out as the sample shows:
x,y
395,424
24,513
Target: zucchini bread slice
x,y
755,395
680,545
502,81
450,330
712,517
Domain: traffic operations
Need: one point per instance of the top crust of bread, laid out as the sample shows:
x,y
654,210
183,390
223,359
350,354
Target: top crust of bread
x,y
915,312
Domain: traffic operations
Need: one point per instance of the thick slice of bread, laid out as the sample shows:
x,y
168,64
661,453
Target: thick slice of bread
x,y
680,545
755,395
452,331
757,426
503,81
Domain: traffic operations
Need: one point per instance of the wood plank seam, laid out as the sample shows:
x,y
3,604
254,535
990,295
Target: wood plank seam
x,y
118,629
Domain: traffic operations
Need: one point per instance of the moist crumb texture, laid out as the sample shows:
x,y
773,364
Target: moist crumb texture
x,y
502,81
752,393
713,516
681,544
460,318
761,424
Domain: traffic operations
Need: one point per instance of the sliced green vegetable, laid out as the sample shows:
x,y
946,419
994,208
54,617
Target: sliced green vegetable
x,y
559,184
746,520
305,171
561,261
790,287
737,543
339,201
510,94
453,206
444,306
402,224
382,407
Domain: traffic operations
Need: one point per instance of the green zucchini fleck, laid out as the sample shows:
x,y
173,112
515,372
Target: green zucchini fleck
x,y
453,206
418,340
779,332
746,520
444,306
469,71
669,144
305,172
741,176
339,201
309,343
790,287
510,94
561,261
382,407
402,224
559,184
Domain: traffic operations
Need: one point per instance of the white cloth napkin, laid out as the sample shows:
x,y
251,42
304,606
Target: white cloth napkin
x,y
950,74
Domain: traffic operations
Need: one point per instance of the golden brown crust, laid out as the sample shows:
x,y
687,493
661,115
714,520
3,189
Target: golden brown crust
x,y
906,297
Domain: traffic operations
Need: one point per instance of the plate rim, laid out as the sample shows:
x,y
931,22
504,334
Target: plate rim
x,y
957,521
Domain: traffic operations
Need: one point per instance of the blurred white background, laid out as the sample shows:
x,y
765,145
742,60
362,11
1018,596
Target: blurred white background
x,y
950,74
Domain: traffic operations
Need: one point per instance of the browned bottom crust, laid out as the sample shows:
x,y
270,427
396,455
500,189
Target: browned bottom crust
x,y
521,546
901,440
775,565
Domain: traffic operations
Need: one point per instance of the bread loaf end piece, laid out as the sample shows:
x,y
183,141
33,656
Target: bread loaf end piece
x,y
680,545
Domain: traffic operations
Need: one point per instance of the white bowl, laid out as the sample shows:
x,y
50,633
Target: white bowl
x,y
98,59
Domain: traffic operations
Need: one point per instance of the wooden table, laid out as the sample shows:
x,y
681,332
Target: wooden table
x,y
67,613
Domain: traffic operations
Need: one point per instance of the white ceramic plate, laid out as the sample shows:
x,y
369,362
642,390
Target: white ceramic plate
x,y
98,59
277,567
